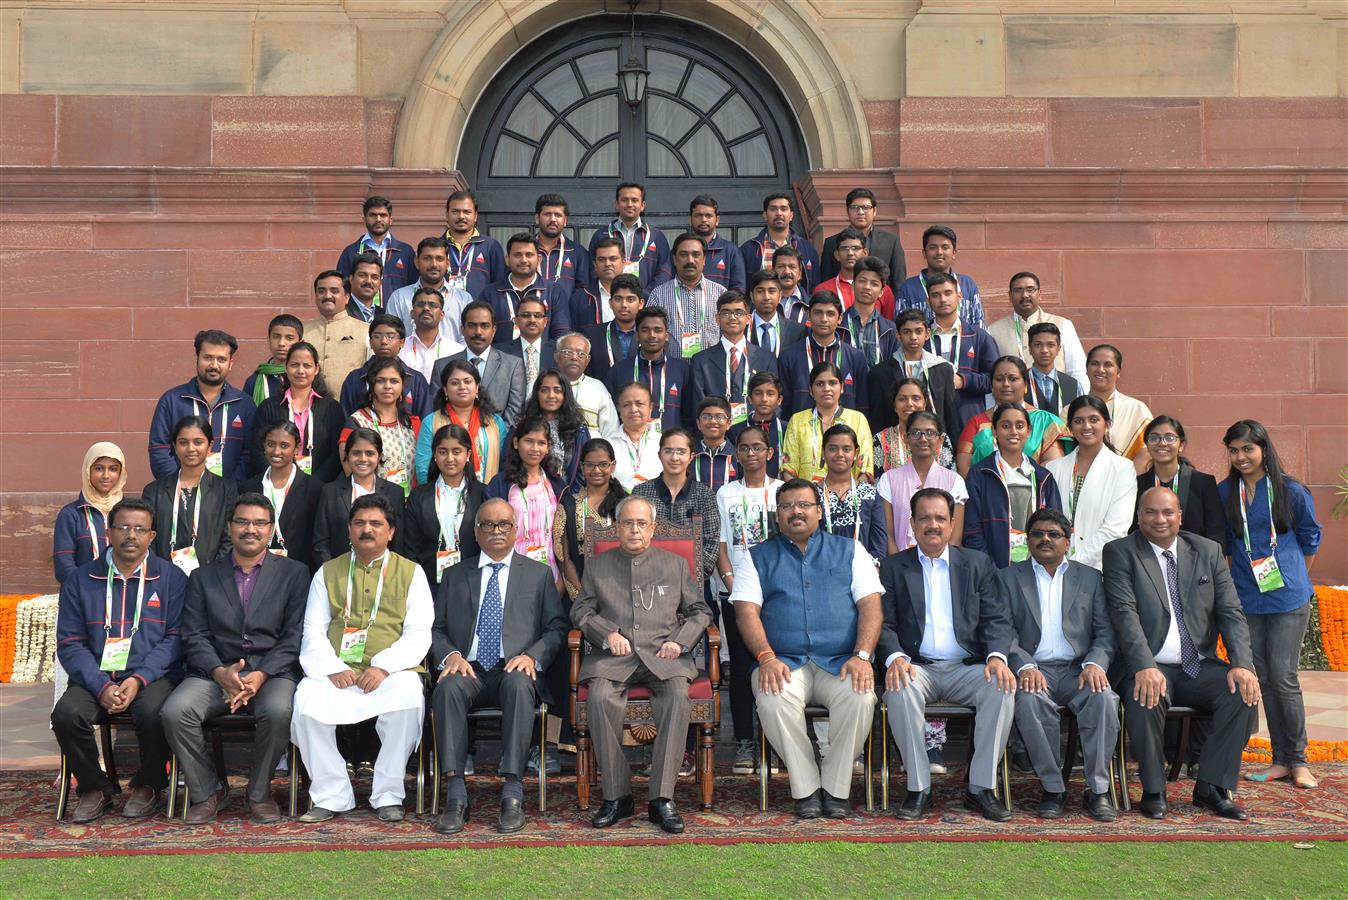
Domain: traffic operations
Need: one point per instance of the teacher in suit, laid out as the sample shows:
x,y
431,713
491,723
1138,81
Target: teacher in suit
x,y
861,211
241,627
1064,644
642,614
498,623
1170,597
947,635
500,374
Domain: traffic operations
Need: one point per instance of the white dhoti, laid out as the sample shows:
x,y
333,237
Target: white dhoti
x,y
398,706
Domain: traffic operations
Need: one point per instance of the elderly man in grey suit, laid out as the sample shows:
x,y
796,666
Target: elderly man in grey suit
x,y
498,624
501,374
642,614
1170,597
1064,644
241,626
947,635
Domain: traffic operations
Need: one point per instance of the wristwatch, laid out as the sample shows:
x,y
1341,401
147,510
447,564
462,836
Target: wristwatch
x,y
863,655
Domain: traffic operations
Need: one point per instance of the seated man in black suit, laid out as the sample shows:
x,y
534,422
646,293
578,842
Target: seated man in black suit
x,y
947,635
241,627
494,632
1170,596
1064,644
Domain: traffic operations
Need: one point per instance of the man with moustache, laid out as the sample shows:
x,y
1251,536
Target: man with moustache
x,y
367,627
241,643
432,264
366,282
807,604
645,252
525,282
209,394
1013,336
724,265
501,374
760,251
475,259
787,265
590,302
560,261
641,614
395,257
427,344
117,637
690,299
592,395
338,336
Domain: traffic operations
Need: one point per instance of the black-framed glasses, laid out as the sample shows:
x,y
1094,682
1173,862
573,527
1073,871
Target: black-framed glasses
x,y
137,530
493,527
1054,534
791,506
244,523
923,434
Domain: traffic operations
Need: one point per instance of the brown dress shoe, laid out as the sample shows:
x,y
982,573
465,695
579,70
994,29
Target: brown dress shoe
x,y
264,812
144,801
204,812
91,806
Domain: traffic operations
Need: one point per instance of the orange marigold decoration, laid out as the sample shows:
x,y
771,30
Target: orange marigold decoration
x,y
1333,603
9,612
1260,751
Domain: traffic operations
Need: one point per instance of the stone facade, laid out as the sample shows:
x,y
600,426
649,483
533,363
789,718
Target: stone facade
x,y
1176,173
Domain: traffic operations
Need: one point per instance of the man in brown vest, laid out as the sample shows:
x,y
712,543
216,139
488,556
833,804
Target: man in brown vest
x,y
367,627
642,614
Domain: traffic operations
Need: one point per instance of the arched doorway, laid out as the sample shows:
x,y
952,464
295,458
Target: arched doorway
x,y
553,120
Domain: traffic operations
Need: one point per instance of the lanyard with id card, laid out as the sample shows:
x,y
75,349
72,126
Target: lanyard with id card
x,y
1267,575
278,502
185,558
448,508
215,460
1019,543
117,651
353,639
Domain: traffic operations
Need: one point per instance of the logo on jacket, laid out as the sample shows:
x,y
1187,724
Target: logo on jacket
x,y
720,264
848,379
153,602
970,353
566,264
673,390
237,423
479,258
398,264
651,247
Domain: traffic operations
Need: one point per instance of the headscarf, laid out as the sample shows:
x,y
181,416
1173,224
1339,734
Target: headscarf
x,y
103,504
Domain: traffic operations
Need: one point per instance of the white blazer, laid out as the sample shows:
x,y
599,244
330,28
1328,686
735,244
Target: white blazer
x,y
1104,511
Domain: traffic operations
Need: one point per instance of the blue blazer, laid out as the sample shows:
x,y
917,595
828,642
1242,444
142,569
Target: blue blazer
x,y
987,514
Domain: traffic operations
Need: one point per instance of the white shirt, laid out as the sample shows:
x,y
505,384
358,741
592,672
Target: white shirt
x,y
635,461
774,327
472,360
938,631
1053,645
420,357
865,578
596,405
747,516
605,311
502,578
399,304
1170,653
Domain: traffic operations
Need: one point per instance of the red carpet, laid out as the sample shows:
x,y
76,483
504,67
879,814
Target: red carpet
x,y
1279,812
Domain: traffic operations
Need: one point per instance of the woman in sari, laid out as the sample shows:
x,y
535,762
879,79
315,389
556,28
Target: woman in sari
x,y
1047,438
1129,416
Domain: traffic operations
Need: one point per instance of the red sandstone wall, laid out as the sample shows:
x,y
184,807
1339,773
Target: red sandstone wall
x,y
1212,280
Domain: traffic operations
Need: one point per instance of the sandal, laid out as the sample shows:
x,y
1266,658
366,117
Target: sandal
x,y
1264,777
1305,781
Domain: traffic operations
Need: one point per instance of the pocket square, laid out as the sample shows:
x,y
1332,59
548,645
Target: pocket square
x,y
1203,579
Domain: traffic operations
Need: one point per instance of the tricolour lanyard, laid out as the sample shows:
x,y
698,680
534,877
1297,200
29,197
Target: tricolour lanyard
x,y
657,394
93,532
278,501
196,512
107,600
448,507
224,418
855,501
1245,521
351,588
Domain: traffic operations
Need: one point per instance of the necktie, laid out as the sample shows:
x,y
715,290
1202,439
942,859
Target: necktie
x,y
766,340
489,621
734,370
530,365
1045,383
1188,652
479,362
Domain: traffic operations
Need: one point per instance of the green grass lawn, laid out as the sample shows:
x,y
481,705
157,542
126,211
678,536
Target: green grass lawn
x,y
1002,870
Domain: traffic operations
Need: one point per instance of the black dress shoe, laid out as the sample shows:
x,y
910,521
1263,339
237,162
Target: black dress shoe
x,y
1153,805
662,813
986,803
1210,797
511,819
1051,805
610,811
452,819
834,807
810,807
915,806
1099,806
1020,760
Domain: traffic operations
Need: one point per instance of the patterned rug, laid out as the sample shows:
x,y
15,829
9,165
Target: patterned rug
x,y
1278,811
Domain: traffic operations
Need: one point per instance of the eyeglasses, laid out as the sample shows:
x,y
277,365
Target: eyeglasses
x,y
753,449
676,452
531,315
493,527
791,506
860,207
601,466
244,523
923,434
714,417
733,313
572,354
383,336
1163,439
1025,290
1039,534
137,530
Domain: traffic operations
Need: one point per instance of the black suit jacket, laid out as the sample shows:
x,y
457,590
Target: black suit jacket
x,y
534,622
1200,503
884,244
599,353
332,536
547,353
1139,603
214,622
1068,390
706,374
982,622
1085,616
297,515
419,529
217,500
882,385
789,332
327,418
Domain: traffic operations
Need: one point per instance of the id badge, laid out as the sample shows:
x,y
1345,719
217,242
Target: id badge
x,y
632,267
353,645
458,282
215,464
658,426
538,553
739,413
691,343
186,559
116,654
1267,575
443,560
306,464
278,551
1020,546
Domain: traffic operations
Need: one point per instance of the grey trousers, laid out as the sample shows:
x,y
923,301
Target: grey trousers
x,y
955,682
1040,726
607,704
198,699
1276,640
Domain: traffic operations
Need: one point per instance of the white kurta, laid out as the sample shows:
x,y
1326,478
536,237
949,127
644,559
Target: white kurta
x,y
596,405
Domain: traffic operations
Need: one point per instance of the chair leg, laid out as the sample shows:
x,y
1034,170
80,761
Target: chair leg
x,y
1069,757
542,757
109,759
173,787
1124,794
1006,782
293,787
884,757
435,768
421,776
870,769
762,766
584,766
706,764
63,789
1181,751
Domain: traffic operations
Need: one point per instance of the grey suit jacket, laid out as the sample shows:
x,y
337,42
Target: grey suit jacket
x,y
1085,616
533,621
609,602
215,624
882,243
502,382
1139,604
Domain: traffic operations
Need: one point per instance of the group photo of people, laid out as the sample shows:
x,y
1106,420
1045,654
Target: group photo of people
x,y
896,497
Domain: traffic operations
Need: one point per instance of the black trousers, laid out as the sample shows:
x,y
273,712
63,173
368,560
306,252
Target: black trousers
x,y
741,665
1219,762
72,720
515,693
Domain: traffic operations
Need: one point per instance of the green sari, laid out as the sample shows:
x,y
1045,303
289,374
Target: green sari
x,y
1045,428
